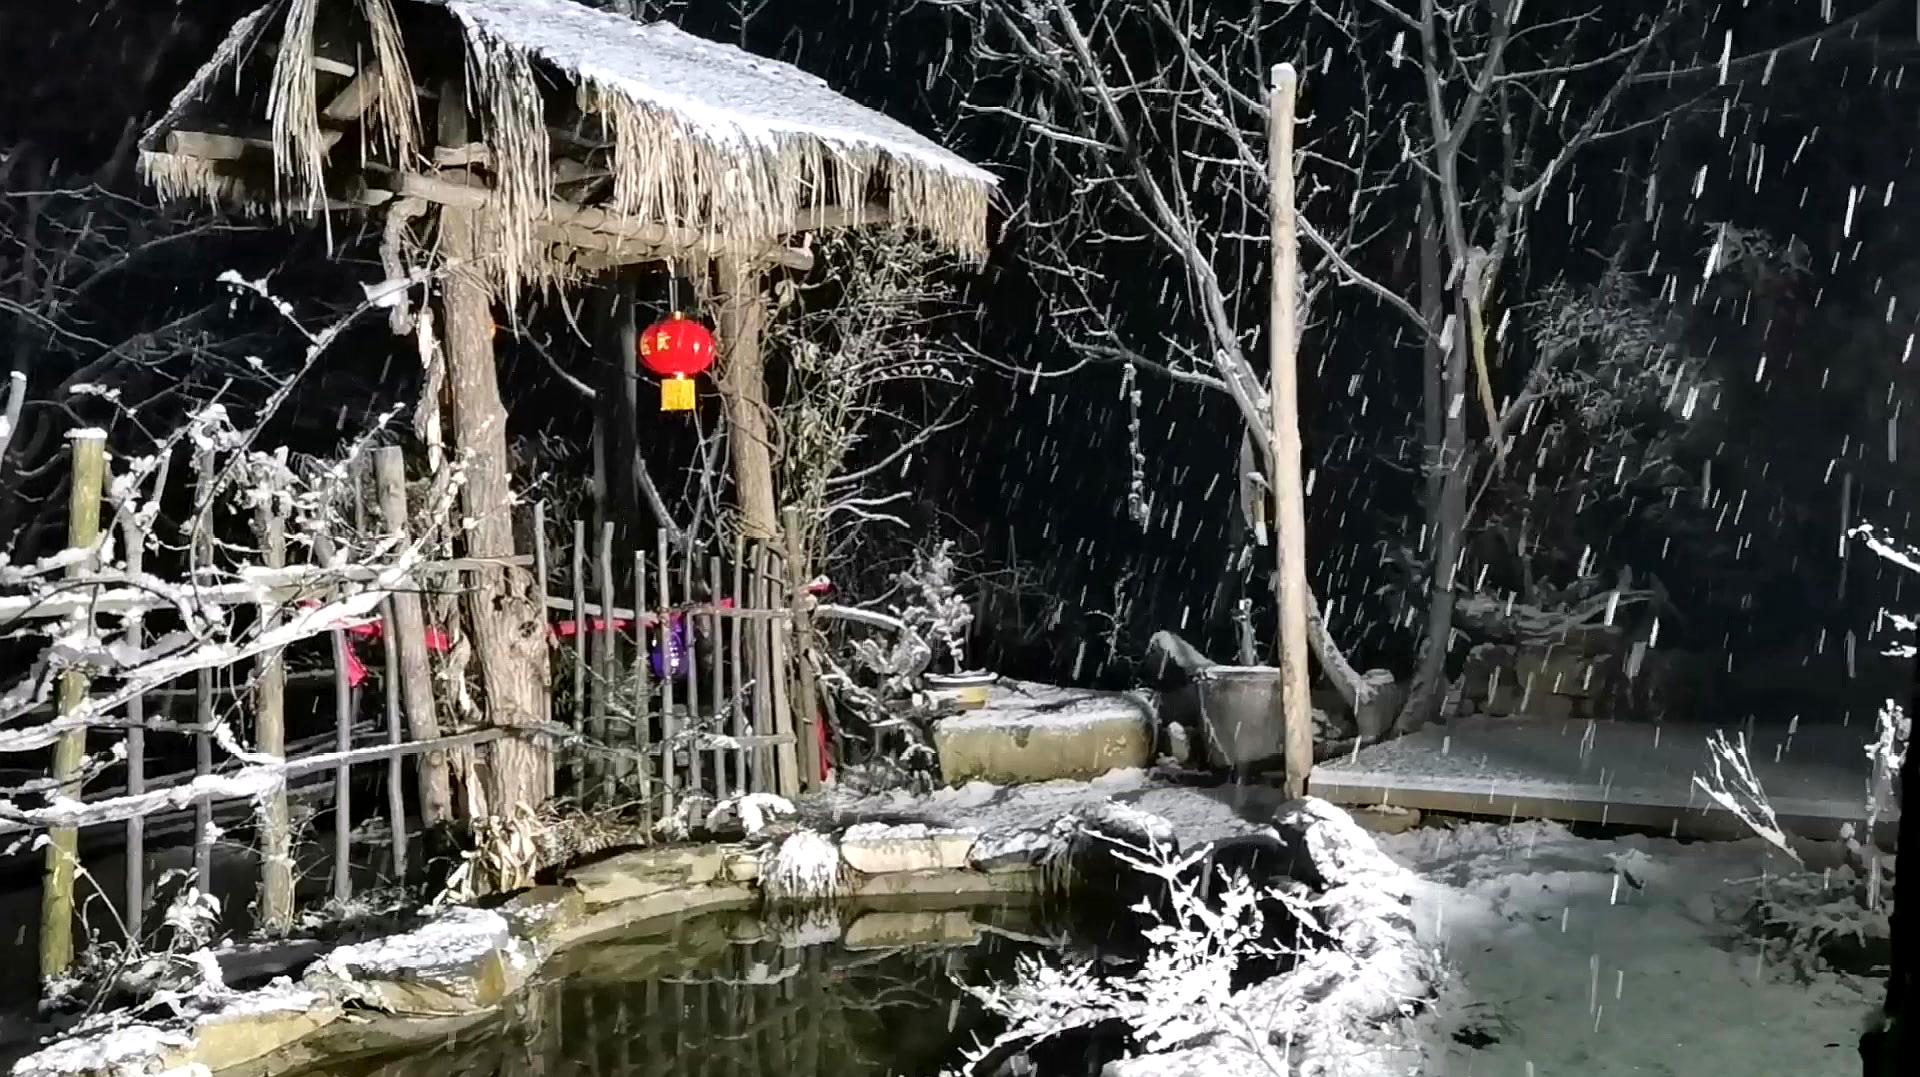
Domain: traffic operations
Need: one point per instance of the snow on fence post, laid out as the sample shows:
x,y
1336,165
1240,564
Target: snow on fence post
x,y
805,694
200,539
407,628
89,449
270,734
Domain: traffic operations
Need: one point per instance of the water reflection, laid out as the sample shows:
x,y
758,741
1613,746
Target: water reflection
x,y
872,995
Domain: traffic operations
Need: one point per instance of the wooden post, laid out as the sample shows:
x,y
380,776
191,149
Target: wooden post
x,y
89,449
342,743
606,664
408,630
642,691
577,763
805,695
664,622
716,673
742,676
509,634
743,379
204,465
1290,520
134,914
270,733
779,685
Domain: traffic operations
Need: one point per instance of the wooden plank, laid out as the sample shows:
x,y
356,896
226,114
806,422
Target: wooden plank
x,y
62,860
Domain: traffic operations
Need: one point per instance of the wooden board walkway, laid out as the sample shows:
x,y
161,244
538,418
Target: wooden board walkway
x,y
1621,773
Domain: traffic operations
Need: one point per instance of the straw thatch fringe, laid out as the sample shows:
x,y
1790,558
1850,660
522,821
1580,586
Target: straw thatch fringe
x,y
293,112
394,118
175,176
500,81
747,189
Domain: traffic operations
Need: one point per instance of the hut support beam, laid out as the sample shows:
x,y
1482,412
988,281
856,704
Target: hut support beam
x,y
508,626
743,380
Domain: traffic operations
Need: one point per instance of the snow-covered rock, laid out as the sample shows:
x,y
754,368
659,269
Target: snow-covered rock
x,y
466,959
880,849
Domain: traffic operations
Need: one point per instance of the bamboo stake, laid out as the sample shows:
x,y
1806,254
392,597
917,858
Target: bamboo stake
x,y
270,732
407,628
806,703
742,678
89,449
778,681
577,765
766,774
203,681
540,601
642,691
134,912
1289,496
607,659
663,621
716,648
696,782
342,743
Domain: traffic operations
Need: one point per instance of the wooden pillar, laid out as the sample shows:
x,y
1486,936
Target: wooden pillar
x,y
270,733
1289,496
409,634
806,694
507,627
70,751
743,379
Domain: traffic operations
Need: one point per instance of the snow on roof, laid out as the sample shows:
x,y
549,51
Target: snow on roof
x,y
723,93
704,136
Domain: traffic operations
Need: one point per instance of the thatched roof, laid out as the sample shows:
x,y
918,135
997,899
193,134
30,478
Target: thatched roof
x,y
586,121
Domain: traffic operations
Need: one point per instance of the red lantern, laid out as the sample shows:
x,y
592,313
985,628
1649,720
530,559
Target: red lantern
x,y
677,349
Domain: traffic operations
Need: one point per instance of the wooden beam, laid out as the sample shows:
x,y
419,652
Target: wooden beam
x,y
829,218
575,219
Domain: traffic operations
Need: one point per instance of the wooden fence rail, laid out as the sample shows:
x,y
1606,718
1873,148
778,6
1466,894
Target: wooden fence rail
x,y
681,681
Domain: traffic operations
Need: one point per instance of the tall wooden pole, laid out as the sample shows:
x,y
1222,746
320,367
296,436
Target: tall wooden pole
x,y
270,737
408,631
743,378
70,751
1296,708
509,629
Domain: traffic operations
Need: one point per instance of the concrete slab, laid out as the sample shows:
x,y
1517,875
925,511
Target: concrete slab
x,y
1625,773
1036,733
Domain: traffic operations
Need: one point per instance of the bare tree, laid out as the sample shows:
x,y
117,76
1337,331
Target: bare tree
x,y
1142,129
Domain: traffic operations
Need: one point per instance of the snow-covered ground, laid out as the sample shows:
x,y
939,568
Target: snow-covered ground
x,y
1624,956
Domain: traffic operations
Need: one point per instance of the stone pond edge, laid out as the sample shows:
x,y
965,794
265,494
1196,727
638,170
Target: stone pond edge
x,y
367,997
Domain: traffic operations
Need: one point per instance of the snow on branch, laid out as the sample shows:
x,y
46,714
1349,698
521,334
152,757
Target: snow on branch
x,y
1735,787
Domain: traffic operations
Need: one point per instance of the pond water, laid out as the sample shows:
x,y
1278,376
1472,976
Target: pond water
x,y
728,996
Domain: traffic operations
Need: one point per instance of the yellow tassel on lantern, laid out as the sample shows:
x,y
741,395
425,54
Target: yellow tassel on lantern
x,y
676,394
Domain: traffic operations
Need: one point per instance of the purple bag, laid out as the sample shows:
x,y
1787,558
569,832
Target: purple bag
x,y
670,657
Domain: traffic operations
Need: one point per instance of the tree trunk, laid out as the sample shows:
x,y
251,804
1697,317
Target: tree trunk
x,y
1447,505
508,628
744,381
